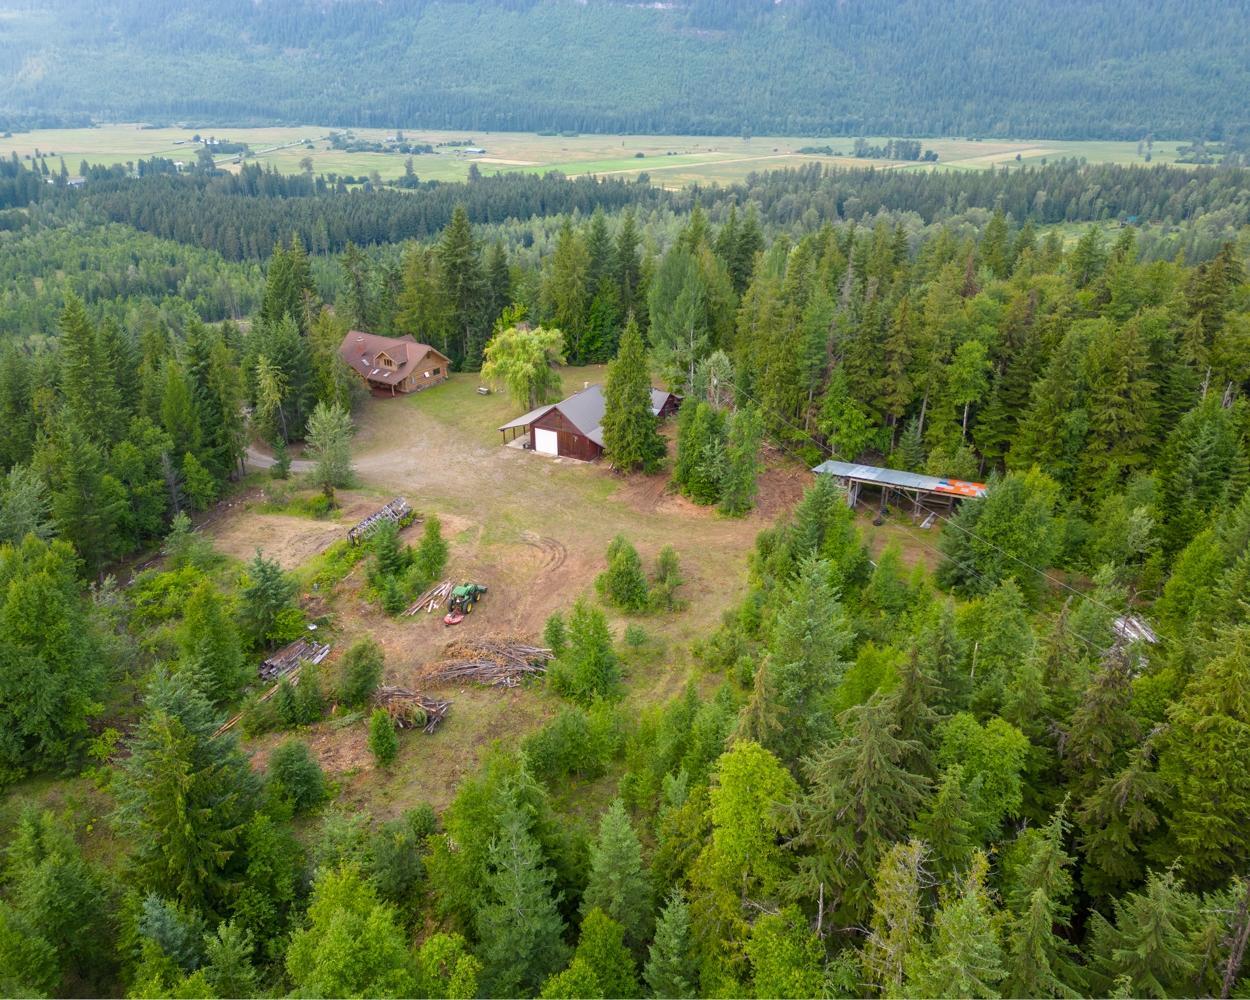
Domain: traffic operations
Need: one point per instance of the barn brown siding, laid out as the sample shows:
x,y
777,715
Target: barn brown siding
x,y
570,442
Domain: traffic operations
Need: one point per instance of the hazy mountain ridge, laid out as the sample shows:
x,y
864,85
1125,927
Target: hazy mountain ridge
x,y
1033,68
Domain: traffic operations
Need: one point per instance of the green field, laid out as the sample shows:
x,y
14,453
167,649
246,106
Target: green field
x,y
671,161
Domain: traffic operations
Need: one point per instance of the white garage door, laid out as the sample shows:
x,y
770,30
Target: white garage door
x,y
546,442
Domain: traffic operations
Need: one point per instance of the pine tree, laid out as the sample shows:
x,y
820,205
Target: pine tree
x,y
519,927
383,743
630,436
672,969
618,882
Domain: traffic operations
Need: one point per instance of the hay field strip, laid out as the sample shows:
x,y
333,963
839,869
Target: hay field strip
x,y
674,160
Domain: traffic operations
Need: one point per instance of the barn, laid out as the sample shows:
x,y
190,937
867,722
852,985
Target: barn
x,y
573,428
393,364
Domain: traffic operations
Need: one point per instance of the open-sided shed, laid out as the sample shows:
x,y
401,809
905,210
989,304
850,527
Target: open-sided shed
x,y
854,477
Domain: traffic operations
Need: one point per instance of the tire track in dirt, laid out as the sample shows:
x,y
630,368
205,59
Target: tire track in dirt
x,y
554,552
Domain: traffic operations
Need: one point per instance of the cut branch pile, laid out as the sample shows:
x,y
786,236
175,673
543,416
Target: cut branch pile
x,y
492,662
289,657
409,710
432,599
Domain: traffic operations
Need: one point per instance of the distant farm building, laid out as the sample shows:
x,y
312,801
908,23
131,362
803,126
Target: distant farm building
x,y
393,364
573,428
909,485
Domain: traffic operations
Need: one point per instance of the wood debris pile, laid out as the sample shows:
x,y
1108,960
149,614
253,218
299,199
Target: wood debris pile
x,y
292,677
432,599
492,662
409,710
289,657
397,510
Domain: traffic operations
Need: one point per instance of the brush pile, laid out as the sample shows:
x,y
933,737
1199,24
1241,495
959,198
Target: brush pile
x,y
491,662
409,710
432,599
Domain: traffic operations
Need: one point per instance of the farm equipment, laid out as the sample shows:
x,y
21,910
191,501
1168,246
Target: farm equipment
x,y
462,600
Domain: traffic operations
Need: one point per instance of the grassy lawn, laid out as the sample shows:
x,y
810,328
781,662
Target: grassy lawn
x,y
673,160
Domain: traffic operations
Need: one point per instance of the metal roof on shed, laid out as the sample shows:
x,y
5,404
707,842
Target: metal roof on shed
x,y
900,479
584,411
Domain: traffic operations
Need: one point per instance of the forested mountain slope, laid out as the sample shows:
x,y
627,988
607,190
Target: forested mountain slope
x,y
904,67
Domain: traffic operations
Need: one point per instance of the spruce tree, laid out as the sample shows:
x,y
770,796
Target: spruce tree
x,y
588,668
353,944
209,646
601,946
618,883
899,887
623,584
383,743
265,593
964,957
860,800
519,927
184,798
360,673
742,463
630,435
672,969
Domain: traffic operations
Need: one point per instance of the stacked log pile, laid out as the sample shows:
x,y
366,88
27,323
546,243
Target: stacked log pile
x,y
409,710
432,599
289,657
491,662
397,510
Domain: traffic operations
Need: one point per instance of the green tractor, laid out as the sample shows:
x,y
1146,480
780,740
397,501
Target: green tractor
x,y
462,600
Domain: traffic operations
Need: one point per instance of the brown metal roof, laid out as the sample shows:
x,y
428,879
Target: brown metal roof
x,y
362,350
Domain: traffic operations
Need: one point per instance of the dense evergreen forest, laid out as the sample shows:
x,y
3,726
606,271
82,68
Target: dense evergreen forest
x,y
979,778
804,67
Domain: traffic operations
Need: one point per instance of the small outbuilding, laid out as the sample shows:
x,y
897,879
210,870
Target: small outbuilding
x,y
920,489
573,428
393,364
